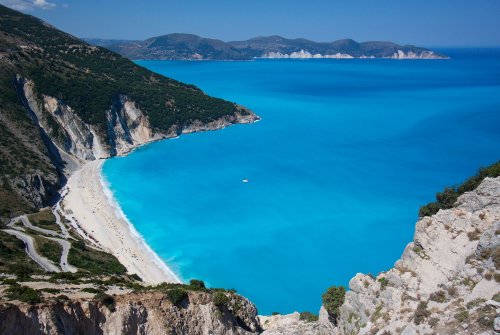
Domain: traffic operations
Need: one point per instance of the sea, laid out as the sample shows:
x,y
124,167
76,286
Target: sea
x,y
328,184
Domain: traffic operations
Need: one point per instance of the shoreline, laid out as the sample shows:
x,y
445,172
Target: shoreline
x,y
91,203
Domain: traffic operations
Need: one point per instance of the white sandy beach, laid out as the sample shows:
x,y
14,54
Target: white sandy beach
x,y
99,216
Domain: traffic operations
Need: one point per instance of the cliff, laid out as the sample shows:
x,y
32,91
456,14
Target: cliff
x,y
142,313
446,282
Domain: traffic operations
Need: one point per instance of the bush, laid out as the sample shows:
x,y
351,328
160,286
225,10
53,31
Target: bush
x,y
383,283
24,294
449,196
197,284
176,295
220,299
421,313
333,298
106,300
275,313
91,290
439,296
308,317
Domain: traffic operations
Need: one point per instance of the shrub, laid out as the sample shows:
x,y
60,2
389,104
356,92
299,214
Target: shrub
x,y
308,317
220,299
333,298
135,276
383,283
275,313
91,290
496,297
106,300
462,315
197,284
439,296
24,294
449,196
421,313
176,295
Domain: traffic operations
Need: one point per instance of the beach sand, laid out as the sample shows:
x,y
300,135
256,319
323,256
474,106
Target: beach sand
x,y
90,202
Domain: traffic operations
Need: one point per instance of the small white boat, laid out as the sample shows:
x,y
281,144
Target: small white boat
x,y
245,180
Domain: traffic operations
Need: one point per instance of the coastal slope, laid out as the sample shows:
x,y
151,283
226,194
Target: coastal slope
x,y
193,47
64,105
446,282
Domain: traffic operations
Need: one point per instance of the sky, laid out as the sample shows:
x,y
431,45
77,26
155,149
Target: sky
x,y
430,23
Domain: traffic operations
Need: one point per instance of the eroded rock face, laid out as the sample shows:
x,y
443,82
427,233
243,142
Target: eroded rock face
x,y
134,314
446,282
442,281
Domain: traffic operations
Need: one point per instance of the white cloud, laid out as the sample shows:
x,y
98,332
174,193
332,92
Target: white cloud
x,y
28,4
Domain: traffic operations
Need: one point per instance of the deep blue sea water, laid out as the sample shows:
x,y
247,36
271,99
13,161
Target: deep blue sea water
x,y
346,152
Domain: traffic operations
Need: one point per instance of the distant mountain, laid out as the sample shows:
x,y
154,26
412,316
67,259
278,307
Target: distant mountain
x,y
173,46
188,46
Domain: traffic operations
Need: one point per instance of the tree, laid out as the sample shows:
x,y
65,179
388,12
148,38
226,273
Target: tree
x,y
333,298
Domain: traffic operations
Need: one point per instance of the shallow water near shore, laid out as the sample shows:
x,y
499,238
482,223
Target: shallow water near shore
x,y
346,152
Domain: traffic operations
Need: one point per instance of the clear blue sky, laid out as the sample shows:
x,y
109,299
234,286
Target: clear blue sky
x,y
424,22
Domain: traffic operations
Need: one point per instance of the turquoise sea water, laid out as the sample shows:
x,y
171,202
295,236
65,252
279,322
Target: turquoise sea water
x,y
346,152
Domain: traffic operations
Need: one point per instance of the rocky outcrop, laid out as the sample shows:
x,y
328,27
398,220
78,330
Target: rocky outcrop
x,y
425,54
445,280
127,126
287,324
132,314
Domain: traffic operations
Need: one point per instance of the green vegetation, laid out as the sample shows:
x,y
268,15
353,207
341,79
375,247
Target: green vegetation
x,y
44,219
197,284
90,80
94,261
51,290
383,283
48,248
220,299
308,317
106,300
23,293
439,296
421,313
333,298
176,295
449,196
91,290
13,258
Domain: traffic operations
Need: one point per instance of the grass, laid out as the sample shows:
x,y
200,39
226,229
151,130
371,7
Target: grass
x,y
308,317
94,261
48,248
23,293
44,219
13,258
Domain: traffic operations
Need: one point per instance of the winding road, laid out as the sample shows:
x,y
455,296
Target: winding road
x,y
46,264
64,264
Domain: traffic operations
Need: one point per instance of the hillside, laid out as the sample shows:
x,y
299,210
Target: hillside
x,y
51,81
187,46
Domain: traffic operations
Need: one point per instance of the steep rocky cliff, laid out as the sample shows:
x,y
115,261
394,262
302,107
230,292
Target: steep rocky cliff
x,y
132,314
446,282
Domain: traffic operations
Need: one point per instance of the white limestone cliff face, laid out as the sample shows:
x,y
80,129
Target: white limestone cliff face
x,y
446,282
134,314
443,281
128,127
304,54
400,54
